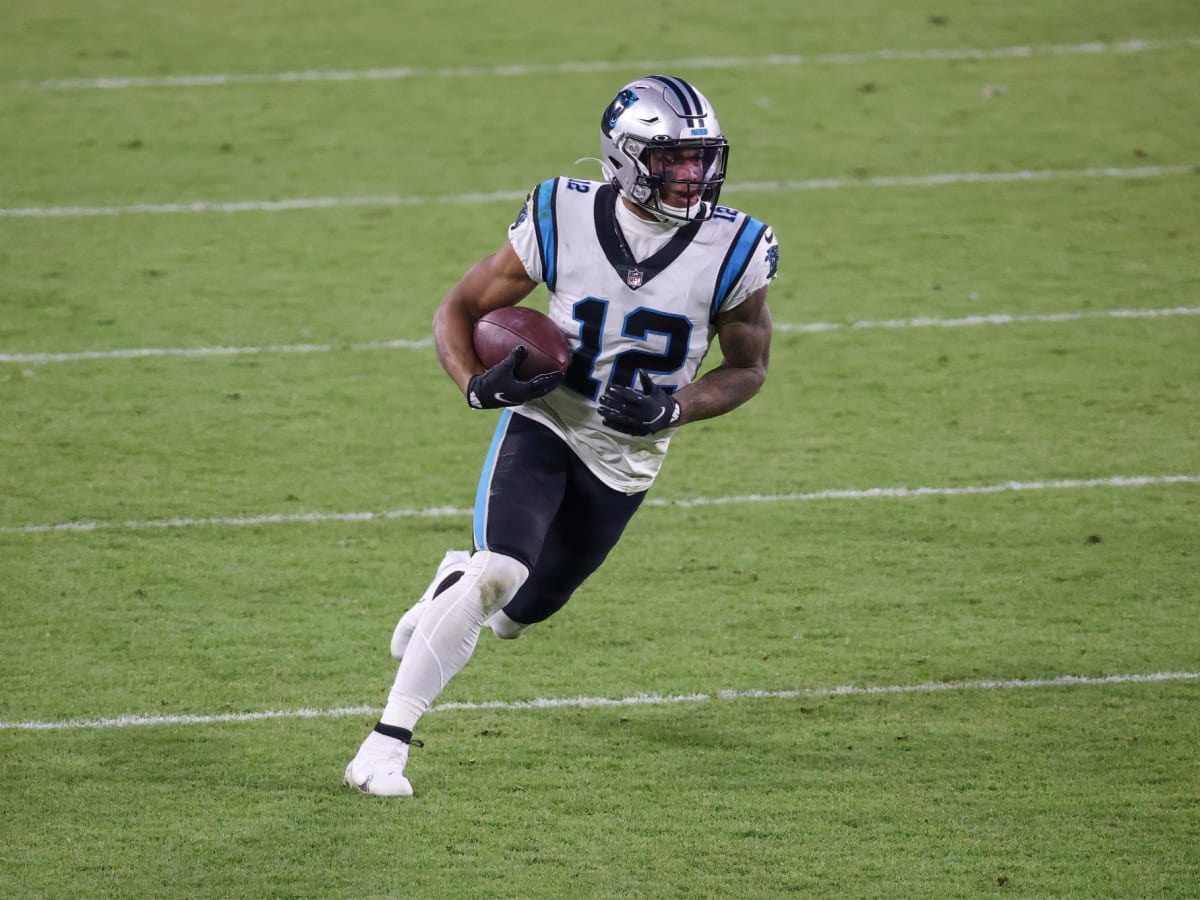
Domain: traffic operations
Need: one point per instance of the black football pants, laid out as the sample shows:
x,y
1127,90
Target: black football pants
x,y
537,502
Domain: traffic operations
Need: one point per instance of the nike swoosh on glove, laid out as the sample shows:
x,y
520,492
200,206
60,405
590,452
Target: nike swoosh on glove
x,y
639,412
499,386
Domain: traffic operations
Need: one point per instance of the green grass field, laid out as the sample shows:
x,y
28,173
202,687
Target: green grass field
x,y
231,460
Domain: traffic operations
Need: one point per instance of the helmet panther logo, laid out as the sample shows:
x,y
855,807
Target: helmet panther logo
x,y
620,103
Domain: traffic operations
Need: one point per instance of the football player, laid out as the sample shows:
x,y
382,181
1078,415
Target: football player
x,y
644,270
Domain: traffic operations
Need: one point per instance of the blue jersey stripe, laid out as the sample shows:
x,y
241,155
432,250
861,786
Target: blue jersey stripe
x,y
483,493
736,262
547,230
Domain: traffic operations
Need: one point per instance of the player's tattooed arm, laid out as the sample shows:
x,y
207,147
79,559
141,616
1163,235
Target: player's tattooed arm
x,y
744,335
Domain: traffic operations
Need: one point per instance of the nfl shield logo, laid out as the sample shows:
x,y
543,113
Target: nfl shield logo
x,y
633,278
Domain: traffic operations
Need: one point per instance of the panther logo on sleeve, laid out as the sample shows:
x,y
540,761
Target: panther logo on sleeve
x,y
521,216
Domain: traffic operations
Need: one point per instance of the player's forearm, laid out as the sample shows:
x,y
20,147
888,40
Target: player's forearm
x,y
745,337
495,281
719,391
452,338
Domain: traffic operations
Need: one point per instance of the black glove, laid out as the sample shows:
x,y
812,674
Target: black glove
x,y
639,412
499,385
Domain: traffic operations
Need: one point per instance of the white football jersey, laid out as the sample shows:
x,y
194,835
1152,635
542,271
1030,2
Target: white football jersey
x,y
622,315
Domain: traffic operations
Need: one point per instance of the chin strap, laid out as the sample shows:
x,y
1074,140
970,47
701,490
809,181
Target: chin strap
x,y
681,217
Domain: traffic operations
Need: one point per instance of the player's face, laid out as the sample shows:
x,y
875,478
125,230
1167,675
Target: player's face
x,y
681,171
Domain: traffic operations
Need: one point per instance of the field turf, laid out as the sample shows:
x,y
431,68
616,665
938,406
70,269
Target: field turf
x,y
919,621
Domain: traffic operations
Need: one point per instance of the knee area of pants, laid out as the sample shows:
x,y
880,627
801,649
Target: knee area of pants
x,y
498,578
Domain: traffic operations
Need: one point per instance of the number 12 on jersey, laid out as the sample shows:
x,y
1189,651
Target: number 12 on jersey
x,y
635,332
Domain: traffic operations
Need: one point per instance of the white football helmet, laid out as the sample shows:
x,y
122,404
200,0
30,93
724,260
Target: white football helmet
x,y
661,113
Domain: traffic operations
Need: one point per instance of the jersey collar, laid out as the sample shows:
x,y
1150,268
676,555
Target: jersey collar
x,y
635,274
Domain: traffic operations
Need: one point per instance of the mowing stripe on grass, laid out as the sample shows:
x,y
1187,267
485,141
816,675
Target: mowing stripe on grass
x,y
443,511
848,690
811,184
1092,48
811,327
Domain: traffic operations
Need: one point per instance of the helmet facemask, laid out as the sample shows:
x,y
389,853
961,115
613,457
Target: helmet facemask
x,y
662,149
684,178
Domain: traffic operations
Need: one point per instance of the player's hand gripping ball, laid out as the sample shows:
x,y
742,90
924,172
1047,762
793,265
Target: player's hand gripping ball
x,y
525,353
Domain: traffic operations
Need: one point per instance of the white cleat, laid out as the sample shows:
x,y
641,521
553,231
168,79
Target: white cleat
x,y
380,774
454,560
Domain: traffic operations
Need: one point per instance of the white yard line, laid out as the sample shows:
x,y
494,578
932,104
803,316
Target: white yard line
x,y
205,206
143,352
810,327
812,184
1091,48
894,493
987,319
850,690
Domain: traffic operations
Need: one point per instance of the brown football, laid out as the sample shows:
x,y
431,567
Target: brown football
x,y
502,329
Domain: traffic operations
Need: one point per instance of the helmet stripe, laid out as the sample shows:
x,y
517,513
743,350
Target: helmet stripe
x,y
693,107
691,91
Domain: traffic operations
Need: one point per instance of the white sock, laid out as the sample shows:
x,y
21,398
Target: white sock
x,y
447,633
